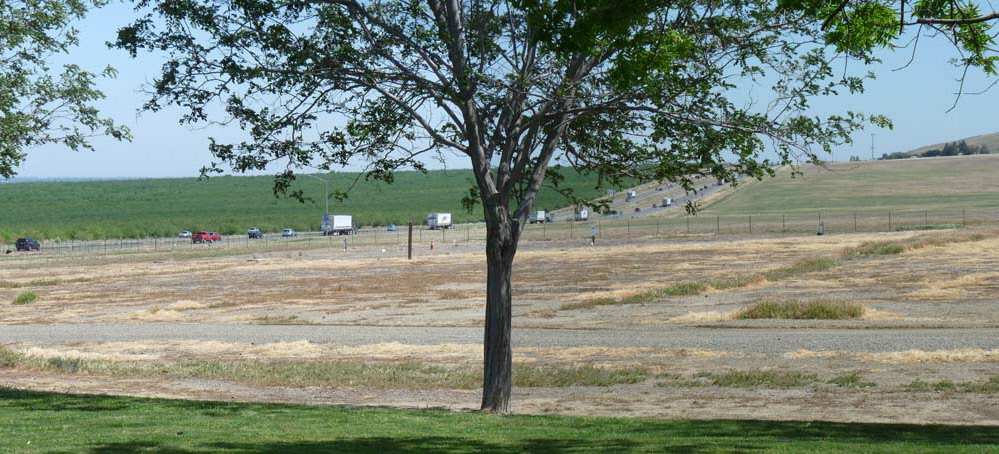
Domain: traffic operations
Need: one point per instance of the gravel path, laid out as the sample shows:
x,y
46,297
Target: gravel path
x,y
715,339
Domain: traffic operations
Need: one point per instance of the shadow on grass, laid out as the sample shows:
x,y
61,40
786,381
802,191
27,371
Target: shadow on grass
x,y
455,432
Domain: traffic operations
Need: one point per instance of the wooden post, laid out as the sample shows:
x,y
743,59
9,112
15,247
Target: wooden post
x,y
889,220
854,221
409,255
926,218
688,223
718,225
657,226
783,217
750,224
964,219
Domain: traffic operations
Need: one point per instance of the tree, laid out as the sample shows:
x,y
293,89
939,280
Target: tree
x,y
37,105
645,90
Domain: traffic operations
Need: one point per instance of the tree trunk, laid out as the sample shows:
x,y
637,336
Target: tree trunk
x,y
501,245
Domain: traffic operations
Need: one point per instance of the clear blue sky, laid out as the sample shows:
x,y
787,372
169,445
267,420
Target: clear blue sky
x,y
916,98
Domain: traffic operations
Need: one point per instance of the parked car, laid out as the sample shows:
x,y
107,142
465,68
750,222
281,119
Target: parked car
x,y
289,232
27,244
392,228
184,234
254,233
215,236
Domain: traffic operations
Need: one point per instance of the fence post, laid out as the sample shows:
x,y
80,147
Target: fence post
x,y
889,220
854,221
964,219
926,218
688,223
718,225
782,223
544,231
750,224
409,254
629,227
657,226
570,230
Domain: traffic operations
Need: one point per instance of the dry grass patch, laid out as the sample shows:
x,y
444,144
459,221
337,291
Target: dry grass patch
x,y
799,267
892,247
797,310
991,386
760,379
905,357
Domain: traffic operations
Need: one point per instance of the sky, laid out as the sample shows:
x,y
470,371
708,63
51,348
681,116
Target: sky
x,y
917,99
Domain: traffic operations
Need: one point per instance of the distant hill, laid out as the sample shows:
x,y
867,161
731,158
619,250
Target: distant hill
x,y
989,140
937,184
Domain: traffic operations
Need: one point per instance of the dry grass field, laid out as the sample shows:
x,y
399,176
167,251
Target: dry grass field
x,y
940,280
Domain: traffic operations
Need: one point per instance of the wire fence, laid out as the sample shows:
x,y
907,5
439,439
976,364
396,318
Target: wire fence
x,y
600,227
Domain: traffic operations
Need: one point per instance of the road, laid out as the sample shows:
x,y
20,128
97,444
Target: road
x,y
714,339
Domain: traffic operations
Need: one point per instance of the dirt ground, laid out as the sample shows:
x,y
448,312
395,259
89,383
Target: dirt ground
x,y
953,285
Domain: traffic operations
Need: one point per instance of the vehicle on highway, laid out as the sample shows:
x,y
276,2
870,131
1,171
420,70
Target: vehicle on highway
x,y
215,236
289,233
667,202
581,215
254,233
201,237
27,244
439,220
341,224
184,234
538,217
392,228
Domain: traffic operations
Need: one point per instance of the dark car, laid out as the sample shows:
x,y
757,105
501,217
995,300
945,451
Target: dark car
x,y
27,244
254,233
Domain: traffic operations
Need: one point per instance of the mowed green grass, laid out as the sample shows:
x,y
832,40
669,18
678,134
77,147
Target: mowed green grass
x,y
934,184
33,422
231,204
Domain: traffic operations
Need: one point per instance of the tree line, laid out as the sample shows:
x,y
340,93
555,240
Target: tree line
x,y
960,148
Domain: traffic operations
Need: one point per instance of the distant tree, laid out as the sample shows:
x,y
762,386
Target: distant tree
x,y
983,149
964,149
854,158
931,153
896,155
38,104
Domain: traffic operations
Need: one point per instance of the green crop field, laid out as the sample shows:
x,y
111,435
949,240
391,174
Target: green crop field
x,y
33,422
933,184
231,204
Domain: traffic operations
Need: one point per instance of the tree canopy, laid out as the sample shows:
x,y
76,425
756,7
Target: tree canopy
x,y
654,90
39,105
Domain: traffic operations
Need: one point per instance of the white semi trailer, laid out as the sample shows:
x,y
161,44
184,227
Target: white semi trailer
x,y
439,220
338,225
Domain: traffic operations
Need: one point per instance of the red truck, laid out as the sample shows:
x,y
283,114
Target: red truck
x,y
205,237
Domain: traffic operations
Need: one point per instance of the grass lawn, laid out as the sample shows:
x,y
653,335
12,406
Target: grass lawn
x,y
49,422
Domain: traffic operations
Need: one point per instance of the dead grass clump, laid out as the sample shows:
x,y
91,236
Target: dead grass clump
x,y
646,297
892,247
869,248
991,386
851,380
9,358
797,310
534,376
761,379
802,266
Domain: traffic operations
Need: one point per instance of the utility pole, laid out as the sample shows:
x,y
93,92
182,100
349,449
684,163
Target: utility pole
x,y
872,146
326,194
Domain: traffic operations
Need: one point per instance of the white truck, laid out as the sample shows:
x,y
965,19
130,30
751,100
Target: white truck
x,y
538,217
667,202
439,220
338,225
631,195
581,215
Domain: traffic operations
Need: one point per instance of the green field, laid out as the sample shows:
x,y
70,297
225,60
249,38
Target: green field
x,y
933,184
231,204
32,422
